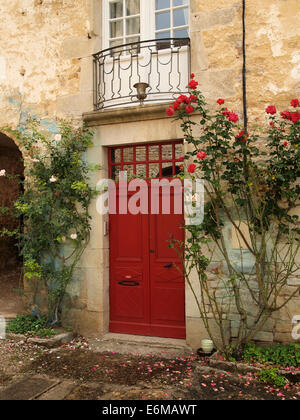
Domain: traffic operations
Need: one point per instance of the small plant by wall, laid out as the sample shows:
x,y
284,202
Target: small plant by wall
x,y
55,207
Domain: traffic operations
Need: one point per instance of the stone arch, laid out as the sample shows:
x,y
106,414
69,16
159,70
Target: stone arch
x,y
11,160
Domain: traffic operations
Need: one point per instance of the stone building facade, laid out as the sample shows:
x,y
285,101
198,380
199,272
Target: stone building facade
x,y
46,70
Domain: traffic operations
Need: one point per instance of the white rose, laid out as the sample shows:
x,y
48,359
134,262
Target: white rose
x,y
2,172
195,198
74,236
53,179
57,137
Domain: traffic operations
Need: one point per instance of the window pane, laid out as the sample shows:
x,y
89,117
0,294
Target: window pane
x,y
116,9
116,43
132,7
116,155
167,152
167,170
180,2
116,29
163,35
153,152
129,170
179,151
141,154
181,33
163,20
154,170
141,171
132,26
162,4
128,154
115,170
180,17
135,48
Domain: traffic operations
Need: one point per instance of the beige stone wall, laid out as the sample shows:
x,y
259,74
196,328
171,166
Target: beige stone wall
x,y
45,56
46,65
272,48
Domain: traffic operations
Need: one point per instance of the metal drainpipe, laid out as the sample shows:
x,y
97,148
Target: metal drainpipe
x,y
244,69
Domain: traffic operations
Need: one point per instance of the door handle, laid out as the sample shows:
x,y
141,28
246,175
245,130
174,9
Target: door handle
x,y
168,265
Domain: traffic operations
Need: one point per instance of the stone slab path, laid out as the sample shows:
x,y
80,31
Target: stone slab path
x,y
28,388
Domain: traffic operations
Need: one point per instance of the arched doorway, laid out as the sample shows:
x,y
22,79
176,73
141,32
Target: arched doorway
x,y
11,163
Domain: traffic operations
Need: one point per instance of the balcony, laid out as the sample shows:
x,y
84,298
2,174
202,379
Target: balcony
x,y
164,64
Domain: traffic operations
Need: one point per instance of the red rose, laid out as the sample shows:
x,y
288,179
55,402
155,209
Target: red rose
x,y
242,136
182,99
201,155
220,101
272,124
286,115
191,168
170,111
226,112
176,105
285,143
189,109
192,98
295,103
295,116
233,117
271,109
193,84
181,159
192,76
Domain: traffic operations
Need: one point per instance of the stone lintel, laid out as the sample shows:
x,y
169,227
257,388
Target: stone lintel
x,y
126,114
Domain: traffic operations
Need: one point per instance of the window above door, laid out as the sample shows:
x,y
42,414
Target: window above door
x,y
127,21
145,43
124,18
171,19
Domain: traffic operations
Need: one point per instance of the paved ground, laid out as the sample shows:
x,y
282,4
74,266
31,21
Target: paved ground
x,y
75,372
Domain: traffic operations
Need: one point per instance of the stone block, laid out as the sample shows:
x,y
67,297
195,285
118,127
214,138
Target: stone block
x,y
294,282
87,323
264,336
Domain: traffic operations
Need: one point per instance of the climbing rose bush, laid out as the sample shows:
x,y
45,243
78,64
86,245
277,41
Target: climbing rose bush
x,y
55,209
250,178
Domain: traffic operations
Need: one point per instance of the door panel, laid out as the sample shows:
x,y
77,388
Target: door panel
x,y
166,277
129,273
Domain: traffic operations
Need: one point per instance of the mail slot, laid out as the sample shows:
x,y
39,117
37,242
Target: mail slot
x,y
129,283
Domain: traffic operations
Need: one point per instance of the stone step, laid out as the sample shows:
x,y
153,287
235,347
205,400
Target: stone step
x,y
123,343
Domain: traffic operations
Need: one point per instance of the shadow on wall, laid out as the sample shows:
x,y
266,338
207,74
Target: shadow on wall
x,y
11,161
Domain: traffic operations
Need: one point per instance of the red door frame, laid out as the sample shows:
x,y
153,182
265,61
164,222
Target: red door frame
x,y
147,162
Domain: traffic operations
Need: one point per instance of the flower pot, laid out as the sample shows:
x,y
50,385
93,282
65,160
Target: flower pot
x,y
207,346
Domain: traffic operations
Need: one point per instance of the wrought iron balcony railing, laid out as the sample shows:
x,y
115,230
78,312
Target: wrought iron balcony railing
x,y
164,64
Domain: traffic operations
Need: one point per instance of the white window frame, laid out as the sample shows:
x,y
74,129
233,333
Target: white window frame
x,y
147,21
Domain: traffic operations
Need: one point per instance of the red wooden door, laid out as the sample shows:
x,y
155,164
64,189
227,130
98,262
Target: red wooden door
x,y
147,292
